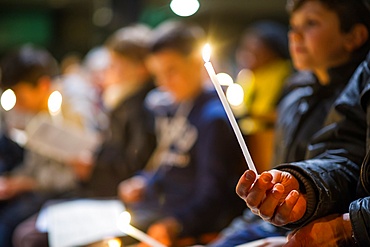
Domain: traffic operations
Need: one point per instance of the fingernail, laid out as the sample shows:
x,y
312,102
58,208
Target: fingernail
x,y
248,176
278,188
265,179
294,193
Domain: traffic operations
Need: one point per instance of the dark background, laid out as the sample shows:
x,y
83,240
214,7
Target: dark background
x,y
65,26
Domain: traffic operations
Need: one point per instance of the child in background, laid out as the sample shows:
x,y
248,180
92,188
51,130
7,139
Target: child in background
x,y
264,63
171,198
29,71
129,139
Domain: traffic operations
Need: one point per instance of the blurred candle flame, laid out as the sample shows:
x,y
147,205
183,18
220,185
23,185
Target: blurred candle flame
x,y
114,242
123,224
235,94
55,102
8,99
225,79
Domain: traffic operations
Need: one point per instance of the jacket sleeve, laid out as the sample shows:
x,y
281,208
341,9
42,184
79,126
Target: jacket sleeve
x,y
359,211
325,193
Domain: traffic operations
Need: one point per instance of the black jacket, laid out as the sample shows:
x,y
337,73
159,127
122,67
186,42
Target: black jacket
x,y
127,145
331,174
302,112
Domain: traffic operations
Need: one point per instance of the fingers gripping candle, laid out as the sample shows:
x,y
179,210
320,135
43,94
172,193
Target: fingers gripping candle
x,y
230,115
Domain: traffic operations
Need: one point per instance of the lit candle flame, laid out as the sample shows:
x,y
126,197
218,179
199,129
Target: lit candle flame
x,y
206,53
8,99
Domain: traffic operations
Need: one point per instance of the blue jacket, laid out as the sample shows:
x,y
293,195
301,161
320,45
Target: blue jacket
x,y
198,172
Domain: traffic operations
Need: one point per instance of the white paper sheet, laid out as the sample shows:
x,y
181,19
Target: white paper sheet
x,y
61,141
81,222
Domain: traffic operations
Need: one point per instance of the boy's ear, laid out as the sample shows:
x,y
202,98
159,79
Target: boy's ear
x,y
357,37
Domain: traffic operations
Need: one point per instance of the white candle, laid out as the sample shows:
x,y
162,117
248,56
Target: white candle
x,y
124,225
230,115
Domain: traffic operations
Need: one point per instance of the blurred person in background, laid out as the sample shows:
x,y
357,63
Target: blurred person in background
x,y
30,72
129,140
83,83
263,60
263,51
170,199
326,55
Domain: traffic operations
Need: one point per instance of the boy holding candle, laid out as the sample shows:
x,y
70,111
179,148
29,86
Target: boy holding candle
x,y
171,198
331,47
325,199
30,72
129,140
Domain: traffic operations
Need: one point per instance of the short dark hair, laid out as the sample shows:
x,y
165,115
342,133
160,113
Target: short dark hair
x,y
178,36
273,34
349,12
26,64
131,41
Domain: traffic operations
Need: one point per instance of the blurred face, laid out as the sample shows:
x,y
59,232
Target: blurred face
x,y
177,74
122,70
253,53
315,39
31,98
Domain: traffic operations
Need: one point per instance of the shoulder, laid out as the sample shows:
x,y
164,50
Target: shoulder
x,y
209,105
158,101
300,79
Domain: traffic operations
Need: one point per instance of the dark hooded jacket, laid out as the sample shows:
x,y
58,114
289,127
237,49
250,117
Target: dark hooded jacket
x,y
302,112
330,177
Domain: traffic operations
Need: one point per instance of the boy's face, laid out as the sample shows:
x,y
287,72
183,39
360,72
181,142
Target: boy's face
x,y
315,39
180,75
31,98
